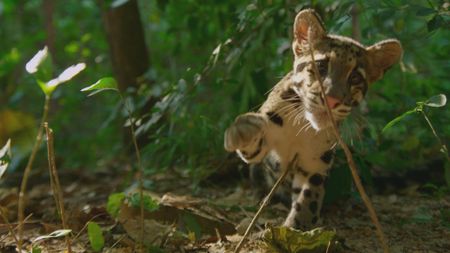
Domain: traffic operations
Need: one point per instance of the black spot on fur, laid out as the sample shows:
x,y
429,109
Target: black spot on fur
x,y
314,220
290,95
297,190
298,207
355,103
316,179
313,206
327,156
300,67
307,193
343,111
275,118
317,195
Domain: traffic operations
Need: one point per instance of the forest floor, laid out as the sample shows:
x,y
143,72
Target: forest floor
x,y
212,219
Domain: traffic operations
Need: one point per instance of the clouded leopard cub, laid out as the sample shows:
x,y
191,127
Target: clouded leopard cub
x,y
292,126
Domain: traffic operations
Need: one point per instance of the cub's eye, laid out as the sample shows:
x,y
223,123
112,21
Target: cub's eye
x,y
322,67
355,78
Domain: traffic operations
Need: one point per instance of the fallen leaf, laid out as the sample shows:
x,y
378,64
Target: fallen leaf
x,y
285,239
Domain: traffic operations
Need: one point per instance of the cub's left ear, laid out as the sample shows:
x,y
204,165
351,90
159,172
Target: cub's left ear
x,y
382,56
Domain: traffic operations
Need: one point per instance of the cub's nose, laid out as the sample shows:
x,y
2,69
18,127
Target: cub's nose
x,y
332,102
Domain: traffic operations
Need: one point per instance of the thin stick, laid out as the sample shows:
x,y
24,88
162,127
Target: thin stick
x,y
27,171
54,179
348,154
264,204
140,172
443,146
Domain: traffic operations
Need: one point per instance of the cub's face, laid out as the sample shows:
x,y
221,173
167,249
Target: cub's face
x,y
345,67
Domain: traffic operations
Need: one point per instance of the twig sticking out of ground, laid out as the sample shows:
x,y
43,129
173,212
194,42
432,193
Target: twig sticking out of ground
x,y
348,154
264,204
54,181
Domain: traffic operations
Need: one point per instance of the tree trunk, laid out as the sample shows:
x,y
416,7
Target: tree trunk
x,y
48,7
356,31
126,41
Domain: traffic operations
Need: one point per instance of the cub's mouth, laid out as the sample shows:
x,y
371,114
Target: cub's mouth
x,y
318,117
315,111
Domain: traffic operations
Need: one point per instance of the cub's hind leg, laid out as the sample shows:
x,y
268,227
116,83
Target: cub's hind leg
x,y
246,136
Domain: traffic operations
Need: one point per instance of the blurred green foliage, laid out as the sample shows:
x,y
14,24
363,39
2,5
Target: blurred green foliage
x,y
212,60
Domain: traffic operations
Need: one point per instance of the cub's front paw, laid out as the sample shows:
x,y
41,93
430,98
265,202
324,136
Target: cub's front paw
x,y
246,131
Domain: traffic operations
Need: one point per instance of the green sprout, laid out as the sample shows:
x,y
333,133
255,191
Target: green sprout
x,y
41,67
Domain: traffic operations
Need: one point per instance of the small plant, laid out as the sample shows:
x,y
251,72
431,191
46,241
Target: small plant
x,y
41,67
109,83
435,101
95,235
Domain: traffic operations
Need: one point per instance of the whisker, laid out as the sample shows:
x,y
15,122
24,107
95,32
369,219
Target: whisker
x,y
305,127
297,114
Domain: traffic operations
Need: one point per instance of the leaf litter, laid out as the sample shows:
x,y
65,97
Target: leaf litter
x,y
209,221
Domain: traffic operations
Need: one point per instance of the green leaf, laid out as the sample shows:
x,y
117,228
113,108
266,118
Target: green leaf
x,y
284,239
436,101
397,119
54,234
149,203
114,203
106,83
36,249
95,235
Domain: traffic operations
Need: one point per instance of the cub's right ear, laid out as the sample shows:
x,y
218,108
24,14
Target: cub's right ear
x,y
304,21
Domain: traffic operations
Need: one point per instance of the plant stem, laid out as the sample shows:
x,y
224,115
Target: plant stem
x,y
27,171
54,179
264,204
444,147
349,156
140,171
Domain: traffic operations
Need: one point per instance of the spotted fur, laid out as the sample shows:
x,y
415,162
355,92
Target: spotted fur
x,y
292,127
